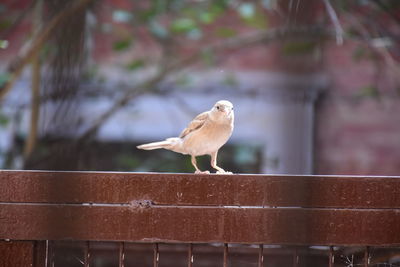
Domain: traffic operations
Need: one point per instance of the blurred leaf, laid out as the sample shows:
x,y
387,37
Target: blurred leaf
x,y
292,48
212,12
4,24
3,119
225,32
369,91
158,30
206,17
122,45
4,77
136,64
121,15
219,6
146,15
3,44
259,20
208,57
183,25
160,6
190,12
252,15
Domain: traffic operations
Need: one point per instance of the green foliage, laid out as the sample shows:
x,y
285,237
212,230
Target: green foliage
x,y
206,17
4,77
3,44
299,47
135,64
252,15
183,25
5,24
122,45
368,91
209,14
4,120
208,57
225,32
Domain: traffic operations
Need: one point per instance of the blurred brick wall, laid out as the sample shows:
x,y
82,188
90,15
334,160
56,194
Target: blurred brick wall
x,y
357,129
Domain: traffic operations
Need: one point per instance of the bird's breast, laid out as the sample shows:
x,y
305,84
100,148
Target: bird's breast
x,y
208,139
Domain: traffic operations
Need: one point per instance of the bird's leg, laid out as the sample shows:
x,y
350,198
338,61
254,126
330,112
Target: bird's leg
x,y
198,171
214,164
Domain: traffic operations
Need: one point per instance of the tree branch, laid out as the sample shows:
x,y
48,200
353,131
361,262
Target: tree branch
x,y
21,61
233,43
30,141
335,21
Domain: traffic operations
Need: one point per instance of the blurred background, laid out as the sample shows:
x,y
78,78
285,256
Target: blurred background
x,y
315,83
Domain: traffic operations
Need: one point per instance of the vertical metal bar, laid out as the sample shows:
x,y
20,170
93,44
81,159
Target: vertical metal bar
x,y
121,262
87,254
47,262
295,258
225,255
190,255
156,255
49,253
366,257
261,255
331,257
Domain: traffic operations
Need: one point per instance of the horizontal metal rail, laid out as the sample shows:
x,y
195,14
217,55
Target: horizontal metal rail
x,y
188,208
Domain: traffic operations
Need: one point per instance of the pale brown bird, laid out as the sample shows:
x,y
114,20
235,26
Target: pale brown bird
x,y
205,135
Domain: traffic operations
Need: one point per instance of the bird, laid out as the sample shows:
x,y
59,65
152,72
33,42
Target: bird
x,y
204,135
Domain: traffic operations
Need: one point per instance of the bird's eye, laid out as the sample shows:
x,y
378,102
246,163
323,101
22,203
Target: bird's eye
x,y
217,107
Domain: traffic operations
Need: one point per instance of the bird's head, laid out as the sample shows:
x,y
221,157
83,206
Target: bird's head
x,y
222,109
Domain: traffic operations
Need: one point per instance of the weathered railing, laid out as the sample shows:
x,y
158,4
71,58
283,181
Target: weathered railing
x,y
155,208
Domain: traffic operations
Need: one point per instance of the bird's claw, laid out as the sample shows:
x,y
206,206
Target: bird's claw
x,y
202,172
223,172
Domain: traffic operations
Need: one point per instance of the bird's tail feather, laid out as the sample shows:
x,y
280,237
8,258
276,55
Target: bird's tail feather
x,y
157,145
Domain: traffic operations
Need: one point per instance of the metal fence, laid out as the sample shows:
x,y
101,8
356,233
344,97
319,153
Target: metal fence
x,y
148,219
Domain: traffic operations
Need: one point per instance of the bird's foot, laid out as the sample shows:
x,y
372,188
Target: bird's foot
x,y
201,172
223,172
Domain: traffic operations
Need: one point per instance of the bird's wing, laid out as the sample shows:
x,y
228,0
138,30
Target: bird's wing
x,y
195,124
